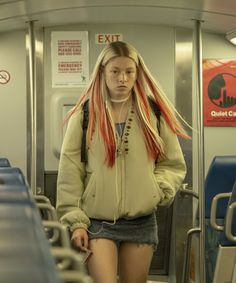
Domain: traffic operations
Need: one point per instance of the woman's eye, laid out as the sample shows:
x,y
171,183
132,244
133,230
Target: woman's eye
x,y
130,73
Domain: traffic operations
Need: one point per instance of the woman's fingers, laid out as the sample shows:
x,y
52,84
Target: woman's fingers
x,y
80,239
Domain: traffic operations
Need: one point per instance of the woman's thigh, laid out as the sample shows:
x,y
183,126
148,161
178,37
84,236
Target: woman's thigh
x,y
102,265
134,262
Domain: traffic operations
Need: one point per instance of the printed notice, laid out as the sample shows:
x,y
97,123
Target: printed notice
x,y
69,58
219,92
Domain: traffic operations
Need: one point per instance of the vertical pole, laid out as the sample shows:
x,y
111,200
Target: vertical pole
x,y
201,163
33,107
183,102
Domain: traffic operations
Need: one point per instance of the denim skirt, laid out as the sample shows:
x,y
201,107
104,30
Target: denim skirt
x,y
142,230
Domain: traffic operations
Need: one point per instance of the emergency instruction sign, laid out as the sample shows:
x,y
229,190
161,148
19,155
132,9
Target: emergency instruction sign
x,y
69,58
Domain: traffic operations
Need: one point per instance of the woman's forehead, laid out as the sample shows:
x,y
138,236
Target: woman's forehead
x,y
121,62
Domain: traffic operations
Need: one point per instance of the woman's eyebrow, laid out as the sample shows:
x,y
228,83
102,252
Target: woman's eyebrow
x,y
118,68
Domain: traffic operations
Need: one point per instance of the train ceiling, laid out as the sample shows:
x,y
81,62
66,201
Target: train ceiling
x,y
217,16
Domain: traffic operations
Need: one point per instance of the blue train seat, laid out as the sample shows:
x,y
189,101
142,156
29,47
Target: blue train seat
x,y
24,252
24,249
220,179
11,176
15,194
225,270
4,162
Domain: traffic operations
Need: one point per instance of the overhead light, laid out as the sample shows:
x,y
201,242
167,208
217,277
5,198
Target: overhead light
x,y
231,36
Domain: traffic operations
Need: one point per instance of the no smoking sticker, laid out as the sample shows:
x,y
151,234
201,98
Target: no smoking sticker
x,y
4,77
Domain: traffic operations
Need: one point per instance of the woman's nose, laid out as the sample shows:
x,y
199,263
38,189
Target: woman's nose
x,y
122,77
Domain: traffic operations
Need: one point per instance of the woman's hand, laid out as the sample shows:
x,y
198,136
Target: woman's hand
x,y
80,239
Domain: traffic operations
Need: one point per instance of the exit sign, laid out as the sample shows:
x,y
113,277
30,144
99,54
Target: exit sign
x,y
105,38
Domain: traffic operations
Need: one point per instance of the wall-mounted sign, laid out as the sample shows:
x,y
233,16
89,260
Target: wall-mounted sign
x,y
219,92
70,58
105,38
4,77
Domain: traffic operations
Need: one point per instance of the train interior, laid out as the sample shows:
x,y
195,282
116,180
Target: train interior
x,y
181,42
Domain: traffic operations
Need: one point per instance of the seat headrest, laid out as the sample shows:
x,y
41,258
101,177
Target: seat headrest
x,y
220,179
4,162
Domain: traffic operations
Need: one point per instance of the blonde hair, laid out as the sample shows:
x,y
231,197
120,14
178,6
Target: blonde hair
x,y
145,85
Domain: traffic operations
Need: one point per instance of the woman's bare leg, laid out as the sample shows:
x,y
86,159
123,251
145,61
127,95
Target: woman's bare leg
x,y
134,262
102,265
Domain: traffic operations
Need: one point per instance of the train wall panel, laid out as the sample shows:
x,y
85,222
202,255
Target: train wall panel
x,y
13,131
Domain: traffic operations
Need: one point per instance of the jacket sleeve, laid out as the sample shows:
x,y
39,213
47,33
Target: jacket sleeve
x,y
170,170
71,174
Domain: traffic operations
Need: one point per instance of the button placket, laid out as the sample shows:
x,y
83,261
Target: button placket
x,y
123,141
127,130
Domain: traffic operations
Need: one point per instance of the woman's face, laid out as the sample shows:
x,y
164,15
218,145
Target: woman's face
x,y
120,75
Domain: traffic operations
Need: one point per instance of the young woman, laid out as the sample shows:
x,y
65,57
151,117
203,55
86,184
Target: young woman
x,y
133,166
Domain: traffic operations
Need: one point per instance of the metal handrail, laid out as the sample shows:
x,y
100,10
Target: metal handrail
x,y
61,232
68,258
42,199
228,222
52,216
201,163
74,276
184,191
33,107
190,234
49,208
214,204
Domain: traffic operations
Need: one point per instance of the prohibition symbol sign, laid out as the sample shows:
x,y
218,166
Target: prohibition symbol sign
x,y
4,77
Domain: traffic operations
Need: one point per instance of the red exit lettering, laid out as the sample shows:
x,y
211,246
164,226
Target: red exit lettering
x,y
102,38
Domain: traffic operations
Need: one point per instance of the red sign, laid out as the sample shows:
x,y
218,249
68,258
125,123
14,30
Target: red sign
x,y
219,92
69,47
105,38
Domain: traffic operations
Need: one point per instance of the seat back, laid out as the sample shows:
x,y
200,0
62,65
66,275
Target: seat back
x,y
24,248
4,162
220,179
11,176
225,269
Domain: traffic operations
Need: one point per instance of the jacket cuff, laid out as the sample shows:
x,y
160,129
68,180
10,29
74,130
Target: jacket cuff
x,y
75,219
80,225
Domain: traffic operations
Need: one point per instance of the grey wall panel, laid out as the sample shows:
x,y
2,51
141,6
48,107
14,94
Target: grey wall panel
x,y
13,99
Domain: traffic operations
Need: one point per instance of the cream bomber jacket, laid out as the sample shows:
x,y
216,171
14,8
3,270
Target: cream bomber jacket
x,y
133,187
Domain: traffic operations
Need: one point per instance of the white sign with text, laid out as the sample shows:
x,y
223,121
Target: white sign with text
x,y
70,58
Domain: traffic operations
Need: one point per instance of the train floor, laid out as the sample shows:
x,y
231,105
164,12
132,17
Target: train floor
x,y
157,279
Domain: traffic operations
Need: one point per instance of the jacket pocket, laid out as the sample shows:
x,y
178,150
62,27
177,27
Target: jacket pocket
x,y
90,188
158,191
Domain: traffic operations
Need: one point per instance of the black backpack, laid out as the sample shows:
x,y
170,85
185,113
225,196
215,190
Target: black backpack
x,y
155,108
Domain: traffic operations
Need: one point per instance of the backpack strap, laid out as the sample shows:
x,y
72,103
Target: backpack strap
x,y
85,109
156,110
